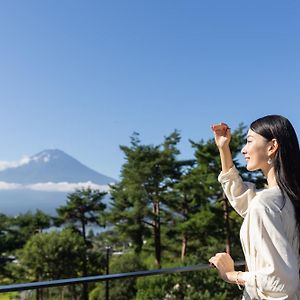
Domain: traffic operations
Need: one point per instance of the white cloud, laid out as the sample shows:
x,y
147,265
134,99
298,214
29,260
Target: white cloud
x,y
4,186
14,164
65,187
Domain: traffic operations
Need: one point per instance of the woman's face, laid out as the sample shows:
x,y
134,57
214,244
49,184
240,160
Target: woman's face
x,y
256,152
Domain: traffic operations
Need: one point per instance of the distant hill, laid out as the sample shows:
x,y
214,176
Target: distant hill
x,y
43,181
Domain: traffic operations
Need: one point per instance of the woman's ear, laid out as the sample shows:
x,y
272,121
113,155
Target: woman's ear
x,y
273,146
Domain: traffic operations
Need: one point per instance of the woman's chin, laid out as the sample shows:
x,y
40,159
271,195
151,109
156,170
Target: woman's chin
x,y
250,168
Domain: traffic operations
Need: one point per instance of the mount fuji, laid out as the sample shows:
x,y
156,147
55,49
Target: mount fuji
x,y
44,180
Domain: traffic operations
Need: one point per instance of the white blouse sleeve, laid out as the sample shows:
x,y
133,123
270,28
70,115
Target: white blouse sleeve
x,y
238,192
277,271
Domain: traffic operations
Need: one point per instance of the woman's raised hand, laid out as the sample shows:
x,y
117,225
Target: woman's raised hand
x,y
222,134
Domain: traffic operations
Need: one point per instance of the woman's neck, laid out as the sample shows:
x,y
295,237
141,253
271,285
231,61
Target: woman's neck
x,y
271,178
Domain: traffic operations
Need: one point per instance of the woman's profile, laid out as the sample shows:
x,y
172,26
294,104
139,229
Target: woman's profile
x,y
271,227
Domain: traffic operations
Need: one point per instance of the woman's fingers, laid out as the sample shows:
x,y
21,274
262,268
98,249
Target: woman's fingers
x,y
222,259
211,263
214,261
222,134
219,127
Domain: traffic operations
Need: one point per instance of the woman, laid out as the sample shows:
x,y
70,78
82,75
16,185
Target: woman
x,y
271,227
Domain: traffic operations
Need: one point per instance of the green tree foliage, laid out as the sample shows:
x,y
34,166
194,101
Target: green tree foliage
x,y
123,289
14,233
139,200
25,225
84,207
53,255
204,284
7,244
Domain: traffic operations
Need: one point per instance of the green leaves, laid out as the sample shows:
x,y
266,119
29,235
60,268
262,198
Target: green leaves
x,y
139,201
53,255
84,206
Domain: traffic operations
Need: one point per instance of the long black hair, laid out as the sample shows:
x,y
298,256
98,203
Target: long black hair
x,y
286,160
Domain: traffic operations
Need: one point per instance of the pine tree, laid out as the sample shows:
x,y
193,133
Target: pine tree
x,y
83,207
139,201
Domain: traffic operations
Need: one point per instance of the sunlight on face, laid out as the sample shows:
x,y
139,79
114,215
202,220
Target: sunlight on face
x,y
255,151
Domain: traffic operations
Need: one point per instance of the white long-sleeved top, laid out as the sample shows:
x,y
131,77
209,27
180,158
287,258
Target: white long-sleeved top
x,y
268,236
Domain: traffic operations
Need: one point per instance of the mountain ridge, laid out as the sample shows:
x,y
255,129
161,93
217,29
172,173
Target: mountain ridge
x,y
53,165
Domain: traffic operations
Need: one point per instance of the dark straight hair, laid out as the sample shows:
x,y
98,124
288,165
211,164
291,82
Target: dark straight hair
x,y
286,160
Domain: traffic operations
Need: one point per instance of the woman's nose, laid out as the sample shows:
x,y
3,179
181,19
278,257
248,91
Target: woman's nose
x,y
243,150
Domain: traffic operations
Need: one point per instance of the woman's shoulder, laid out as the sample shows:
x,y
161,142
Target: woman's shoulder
x,y
270,199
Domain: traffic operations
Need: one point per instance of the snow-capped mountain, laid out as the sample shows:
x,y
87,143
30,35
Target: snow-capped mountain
x,y
52,166
42,181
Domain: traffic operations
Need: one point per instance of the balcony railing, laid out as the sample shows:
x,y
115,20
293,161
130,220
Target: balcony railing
x,y
98,278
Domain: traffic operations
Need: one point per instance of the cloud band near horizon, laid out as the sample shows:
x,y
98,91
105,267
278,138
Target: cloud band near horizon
x,y
64,187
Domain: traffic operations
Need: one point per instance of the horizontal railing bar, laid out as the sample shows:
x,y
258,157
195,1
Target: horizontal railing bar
x,y
71,281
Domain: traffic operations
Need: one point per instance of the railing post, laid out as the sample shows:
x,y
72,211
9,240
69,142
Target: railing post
x,y
107,272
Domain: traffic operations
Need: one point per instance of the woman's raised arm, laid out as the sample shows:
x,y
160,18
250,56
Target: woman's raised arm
x,y
222,138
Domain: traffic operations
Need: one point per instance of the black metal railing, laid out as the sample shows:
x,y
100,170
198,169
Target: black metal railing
x,y
79,280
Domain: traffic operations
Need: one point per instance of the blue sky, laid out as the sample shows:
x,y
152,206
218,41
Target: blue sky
x,y
82,76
